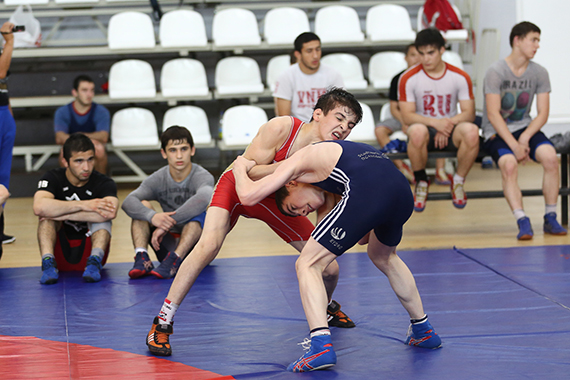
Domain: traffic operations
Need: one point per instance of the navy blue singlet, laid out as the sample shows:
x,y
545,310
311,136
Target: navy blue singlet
x,y
375,196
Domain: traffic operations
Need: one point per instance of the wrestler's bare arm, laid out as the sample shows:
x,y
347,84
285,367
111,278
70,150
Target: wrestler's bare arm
x,y
311,164
265,145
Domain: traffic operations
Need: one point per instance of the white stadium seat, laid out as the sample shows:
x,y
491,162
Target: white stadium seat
x,y
134,127
389,22
131,30
282,25
235,27
338,23
238,76
349,67
182,77
131,78
192,118
384,66
182,28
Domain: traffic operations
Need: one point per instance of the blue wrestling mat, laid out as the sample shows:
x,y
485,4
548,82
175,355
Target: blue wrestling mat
x,y
501,313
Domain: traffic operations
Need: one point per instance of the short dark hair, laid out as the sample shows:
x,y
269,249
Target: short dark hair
x,y
521,30
335,97
429,37
280,196
79,79
407,51
77,142
303,38
175,134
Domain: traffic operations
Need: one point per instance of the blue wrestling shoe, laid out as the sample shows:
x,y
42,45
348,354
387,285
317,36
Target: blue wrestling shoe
x,y
50,273
551,226
320,355
93,269
143,265
423,335
168,267
525,229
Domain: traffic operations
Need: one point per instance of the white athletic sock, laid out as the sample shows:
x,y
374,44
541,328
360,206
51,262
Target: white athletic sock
x,y
519,213
549,208
45,256
98,252
458,179
321,332
140,249
167,312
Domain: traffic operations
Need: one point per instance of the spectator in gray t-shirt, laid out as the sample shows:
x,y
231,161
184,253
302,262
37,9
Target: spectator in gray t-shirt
x,y
511,135
183,190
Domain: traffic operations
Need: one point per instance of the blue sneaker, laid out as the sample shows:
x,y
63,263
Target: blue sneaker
x,y
50,273
143,265
93,269
395,146
168,267
551,226
525,229
320,355
423,335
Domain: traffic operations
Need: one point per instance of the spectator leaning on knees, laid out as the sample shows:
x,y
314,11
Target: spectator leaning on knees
x,y
75,205
386,127
7,126
428,95
183,190
511,136
85,116
299,87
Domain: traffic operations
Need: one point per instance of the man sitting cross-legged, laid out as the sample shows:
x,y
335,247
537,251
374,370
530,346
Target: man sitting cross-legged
x,y
75,205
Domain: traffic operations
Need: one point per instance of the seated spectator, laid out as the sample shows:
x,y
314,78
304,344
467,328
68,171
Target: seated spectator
x,y
299,87
428,96
75,205
385,128
511,135
85,116
183,190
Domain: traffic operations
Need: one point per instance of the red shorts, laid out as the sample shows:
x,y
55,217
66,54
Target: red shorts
x,y
289,228
72,254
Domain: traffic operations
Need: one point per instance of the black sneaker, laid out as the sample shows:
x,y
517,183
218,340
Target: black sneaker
x,y
7,239
337,318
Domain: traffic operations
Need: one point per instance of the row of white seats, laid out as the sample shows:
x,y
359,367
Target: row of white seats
x,y
185,77
137,127
237,27
41,2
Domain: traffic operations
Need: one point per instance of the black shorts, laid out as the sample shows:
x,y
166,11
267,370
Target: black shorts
x,y
450,147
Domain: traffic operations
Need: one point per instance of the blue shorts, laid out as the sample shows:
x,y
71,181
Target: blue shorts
x,y
497,147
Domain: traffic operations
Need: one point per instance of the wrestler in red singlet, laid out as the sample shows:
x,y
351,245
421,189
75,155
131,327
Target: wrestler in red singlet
x,y
290,229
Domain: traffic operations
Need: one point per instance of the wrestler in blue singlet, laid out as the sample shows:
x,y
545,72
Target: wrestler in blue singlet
x,y
375,196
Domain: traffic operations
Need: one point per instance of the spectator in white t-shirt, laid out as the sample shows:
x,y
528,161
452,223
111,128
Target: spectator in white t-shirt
x,y
428,95
299,87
